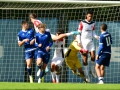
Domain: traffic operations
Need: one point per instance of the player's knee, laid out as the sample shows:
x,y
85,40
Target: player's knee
x,y
85,63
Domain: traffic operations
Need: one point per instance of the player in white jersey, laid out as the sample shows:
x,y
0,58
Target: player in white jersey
x,y
58,57
35,21
85,40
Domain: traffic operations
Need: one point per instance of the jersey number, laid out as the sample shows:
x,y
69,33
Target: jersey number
x,y
108,41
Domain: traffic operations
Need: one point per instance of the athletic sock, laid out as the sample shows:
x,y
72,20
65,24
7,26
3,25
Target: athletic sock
x,y
86,70
92,66
57,78
42,73
100,78
53,75
29,71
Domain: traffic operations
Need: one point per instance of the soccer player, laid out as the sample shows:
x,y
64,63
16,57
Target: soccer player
x,y
44,41
85,40
104,53
58,57
26,38
72,60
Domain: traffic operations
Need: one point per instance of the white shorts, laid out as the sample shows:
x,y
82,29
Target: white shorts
x,y
57,61
89,46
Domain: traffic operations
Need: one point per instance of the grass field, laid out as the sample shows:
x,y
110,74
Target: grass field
x,y
61,86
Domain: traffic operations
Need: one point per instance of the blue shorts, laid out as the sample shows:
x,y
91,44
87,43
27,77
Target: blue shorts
x,y
35,54
29,54
104,59
44,55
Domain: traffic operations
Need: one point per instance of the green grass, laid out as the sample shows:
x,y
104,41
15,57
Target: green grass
x,y
61,86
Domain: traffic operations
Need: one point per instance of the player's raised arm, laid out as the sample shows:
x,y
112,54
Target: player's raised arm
x,y
65,35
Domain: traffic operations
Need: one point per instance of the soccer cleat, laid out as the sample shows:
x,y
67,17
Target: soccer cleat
x,y
39,80
38,72
93,74
31,79
87,79
46,70
100,82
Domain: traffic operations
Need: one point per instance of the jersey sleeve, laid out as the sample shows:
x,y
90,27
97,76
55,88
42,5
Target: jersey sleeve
x,y
78,38
101,46
19,38
75,45
80,27
37,22
50,40
93,28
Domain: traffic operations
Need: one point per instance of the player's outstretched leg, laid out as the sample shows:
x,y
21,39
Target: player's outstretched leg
x,y
29,62
53,72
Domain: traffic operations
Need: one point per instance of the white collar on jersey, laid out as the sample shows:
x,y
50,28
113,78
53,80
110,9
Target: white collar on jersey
x,y
24,30
103,32
87,21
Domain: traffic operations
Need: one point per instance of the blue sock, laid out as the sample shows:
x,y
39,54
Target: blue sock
x,y
42,73
29,70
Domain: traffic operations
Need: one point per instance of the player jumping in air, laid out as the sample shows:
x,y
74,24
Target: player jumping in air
x,y
72,60
85,40
44,41
26,37
104,53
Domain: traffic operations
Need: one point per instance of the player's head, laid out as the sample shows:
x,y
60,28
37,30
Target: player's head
x,y
59,31
89,16
32,16
103,27
42,27
25,24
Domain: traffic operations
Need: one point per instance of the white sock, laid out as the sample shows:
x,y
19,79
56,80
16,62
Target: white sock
x,y
53,75
86,70
57,78
100,78
92,66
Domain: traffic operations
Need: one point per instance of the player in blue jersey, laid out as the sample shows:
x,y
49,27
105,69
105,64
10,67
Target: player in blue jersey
x,y
44,42
104,53
26,38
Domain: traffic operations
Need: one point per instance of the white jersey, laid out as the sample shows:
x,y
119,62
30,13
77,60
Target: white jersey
x,y
36,23
58,47
87,30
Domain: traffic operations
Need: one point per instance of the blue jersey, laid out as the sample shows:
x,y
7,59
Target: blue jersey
x,y
44,39
28,34
105,43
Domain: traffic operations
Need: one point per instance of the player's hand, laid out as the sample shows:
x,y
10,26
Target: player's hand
x,y
47,48
26,40
97,57
97,37
75,32
40,45
32,42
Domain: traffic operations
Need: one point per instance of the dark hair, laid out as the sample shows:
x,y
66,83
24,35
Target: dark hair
x,y
60,31
104,26
33,15
24,22
89,12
